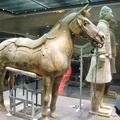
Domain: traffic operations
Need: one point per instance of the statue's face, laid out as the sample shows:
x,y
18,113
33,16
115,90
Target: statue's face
x,y
109,15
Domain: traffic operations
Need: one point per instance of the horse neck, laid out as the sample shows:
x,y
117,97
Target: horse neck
x,y
63,23
63,39
63,36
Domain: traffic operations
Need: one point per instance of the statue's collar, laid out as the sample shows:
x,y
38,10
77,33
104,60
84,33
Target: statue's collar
x,y
105,21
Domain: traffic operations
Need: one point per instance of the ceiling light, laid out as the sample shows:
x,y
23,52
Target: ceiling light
x,y
59,11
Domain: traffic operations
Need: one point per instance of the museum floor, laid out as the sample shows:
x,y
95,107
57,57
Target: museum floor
x,y
66,104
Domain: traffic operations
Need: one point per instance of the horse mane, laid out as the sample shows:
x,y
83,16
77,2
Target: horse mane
x,y
67,15
74,10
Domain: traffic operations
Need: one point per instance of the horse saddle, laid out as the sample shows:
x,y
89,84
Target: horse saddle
x,y
26,42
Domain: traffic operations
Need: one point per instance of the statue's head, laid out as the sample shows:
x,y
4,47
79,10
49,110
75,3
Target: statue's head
x,y
106,13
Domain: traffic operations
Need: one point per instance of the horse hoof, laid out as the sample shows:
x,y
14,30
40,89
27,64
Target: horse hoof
x,y
53,114
2,108
45,118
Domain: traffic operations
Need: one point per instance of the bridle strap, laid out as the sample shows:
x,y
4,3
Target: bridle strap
x,y
95,42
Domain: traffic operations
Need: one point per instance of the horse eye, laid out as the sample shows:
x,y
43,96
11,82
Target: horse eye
x,y
85,22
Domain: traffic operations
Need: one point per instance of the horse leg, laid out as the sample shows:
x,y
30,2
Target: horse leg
x,y
11,80
55,87
2,75
47,87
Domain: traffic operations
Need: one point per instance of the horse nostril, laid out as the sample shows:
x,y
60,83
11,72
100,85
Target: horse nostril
x,y
103,38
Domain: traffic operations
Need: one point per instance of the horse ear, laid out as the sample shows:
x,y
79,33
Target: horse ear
x,y
85,11
74,27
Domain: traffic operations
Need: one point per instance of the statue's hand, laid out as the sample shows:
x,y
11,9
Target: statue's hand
x,y
108,56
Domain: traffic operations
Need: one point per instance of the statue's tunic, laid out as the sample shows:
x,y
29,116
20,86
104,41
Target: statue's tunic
x,y
101,74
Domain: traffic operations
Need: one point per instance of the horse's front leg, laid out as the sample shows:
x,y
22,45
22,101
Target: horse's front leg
x,y
55,87
47,87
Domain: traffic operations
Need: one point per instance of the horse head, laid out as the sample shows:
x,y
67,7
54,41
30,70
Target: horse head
x,y
82,26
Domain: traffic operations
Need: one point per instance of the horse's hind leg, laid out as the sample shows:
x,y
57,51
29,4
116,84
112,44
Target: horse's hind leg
x,y
2,75
11,80
55,87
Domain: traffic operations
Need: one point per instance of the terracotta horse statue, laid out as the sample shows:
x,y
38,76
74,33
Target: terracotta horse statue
x,y
49,56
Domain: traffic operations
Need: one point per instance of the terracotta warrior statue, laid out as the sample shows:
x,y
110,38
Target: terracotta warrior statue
x,y
114,44
100,71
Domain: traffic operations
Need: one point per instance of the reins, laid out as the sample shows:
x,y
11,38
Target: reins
x,y
94,84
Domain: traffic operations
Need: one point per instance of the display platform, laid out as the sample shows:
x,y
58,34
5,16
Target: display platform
x,y
64,110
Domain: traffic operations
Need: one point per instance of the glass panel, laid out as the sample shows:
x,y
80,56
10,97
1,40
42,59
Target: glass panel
x,y
23,6
18,6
